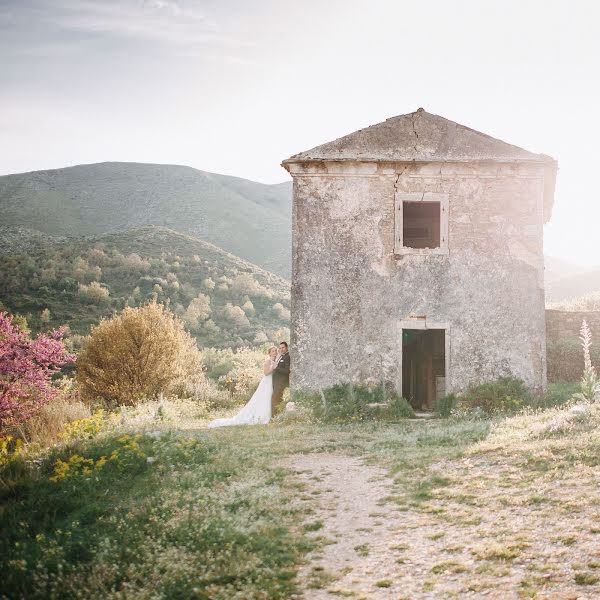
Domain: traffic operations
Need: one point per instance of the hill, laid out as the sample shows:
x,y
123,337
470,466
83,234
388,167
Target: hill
x,y
557,268
573,286
248,219
223,300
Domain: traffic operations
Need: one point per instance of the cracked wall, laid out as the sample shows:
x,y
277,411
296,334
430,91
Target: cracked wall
x,y
351,293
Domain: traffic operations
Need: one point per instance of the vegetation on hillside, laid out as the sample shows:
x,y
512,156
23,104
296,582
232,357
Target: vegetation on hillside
x,y
222,300
249,219
585,303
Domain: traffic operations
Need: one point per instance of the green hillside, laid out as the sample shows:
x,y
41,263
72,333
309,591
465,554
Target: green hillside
x,y
223,300
248,219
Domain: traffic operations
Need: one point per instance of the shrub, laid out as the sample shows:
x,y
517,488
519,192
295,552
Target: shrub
x,y
94,292
235,316
557,394
26,368
505,395
398,408
337,404
137,354
446,405
48,426
197,311
346,402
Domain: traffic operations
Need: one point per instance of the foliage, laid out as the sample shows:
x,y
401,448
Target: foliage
x,y
137,354
159,515
558,394
505,395
87,428
10,449
223,300
26,368
398,408
47,427
587,302
446,405
347,403
590,383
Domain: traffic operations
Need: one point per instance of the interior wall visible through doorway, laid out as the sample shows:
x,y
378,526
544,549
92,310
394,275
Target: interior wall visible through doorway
x,y
424,366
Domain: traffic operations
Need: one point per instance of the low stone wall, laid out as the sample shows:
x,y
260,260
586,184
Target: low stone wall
x,y
564,354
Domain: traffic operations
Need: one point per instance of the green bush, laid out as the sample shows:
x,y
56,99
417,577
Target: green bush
x,y
446,405
503,396
398,408
346,403
557,394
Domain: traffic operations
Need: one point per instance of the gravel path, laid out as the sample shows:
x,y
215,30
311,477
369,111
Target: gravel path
x,y
362,555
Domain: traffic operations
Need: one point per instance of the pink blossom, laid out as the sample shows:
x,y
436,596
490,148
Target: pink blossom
x,y
26,368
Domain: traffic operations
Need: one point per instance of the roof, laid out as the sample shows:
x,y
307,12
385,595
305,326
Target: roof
x,y
421,137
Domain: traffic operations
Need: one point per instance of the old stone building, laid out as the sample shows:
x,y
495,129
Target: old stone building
x,y
418,258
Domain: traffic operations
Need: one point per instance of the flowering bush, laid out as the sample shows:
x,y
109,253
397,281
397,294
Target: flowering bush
x,y
9,449
86,428
26,367
78,467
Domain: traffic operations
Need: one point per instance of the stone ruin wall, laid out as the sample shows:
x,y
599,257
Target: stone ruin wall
x,y
565,356
350,292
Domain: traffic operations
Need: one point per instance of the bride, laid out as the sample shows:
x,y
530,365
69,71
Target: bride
x,y
258,409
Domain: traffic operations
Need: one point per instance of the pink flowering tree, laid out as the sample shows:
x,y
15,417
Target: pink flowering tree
x,y
26,368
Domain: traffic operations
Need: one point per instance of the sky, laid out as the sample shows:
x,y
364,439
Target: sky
x,y
234,86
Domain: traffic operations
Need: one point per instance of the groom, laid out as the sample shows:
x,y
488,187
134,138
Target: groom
x,y
281,377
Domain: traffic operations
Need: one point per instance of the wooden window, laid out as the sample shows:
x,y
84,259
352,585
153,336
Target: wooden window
x,y
421,224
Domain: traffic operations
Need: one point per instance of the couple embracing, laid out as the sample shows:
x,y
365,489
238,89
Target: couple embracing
x,y
269,393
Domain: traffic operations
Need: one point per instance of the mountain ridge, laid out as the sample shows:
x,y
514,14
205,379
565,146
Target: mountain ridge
x,y
249,219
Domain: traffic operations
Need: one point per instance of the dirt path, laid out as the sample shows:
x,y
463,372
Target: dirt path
x,y
360,557
484,533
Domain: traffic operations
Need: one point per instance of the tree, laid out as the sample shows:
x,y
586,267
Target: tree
x,y
137,354
198,311
235,316
94,292
26,368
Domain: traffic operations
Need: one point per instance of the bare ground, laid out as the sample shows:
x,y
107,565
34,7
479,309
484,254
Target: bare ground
x,y
475,528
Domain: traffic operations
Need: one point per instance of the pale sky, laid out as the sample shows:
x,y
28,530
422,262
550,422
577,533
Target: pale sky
x,y
234,86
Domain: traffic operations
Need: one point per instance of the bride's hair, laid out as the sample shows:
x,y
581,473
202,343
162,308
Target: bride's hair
x,y
272,348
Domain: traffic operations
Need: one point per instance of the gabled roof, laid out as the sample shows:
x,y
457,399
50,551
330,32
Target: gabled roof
x,y
421,137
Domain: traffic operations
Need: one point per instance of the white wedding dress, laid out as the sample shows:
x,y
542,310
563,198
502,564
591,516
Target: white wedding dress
x,y
258,409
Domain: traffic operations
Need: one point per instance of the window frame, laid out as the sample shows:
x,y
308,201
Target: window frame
x,y
400,198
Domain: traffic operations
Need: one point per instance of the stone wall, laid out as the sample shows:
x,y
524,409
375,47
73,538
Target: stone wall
x,y
565,356
351,295
565,325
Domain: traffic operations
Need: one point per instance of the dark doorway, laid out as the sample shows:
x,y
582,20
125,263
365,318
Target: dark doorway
x,y
423,366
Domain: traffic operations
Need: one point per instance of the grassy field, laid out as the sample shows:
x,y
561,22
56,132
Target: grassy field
x,y
171,510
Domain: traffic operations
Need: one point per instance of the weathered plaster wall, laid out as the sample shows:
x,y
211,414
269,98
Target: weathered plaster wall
x,y
350,293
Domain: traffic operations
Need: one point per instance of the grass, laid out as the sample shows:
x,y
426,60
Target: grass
x,y
214,515
206,518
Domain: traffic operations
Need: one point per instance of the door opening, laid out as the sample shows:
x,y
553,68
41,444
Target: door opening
x,y
423,367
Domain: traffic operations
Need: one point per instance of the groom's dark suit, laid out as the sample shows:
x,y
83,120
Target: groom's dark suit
x,y
281,380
